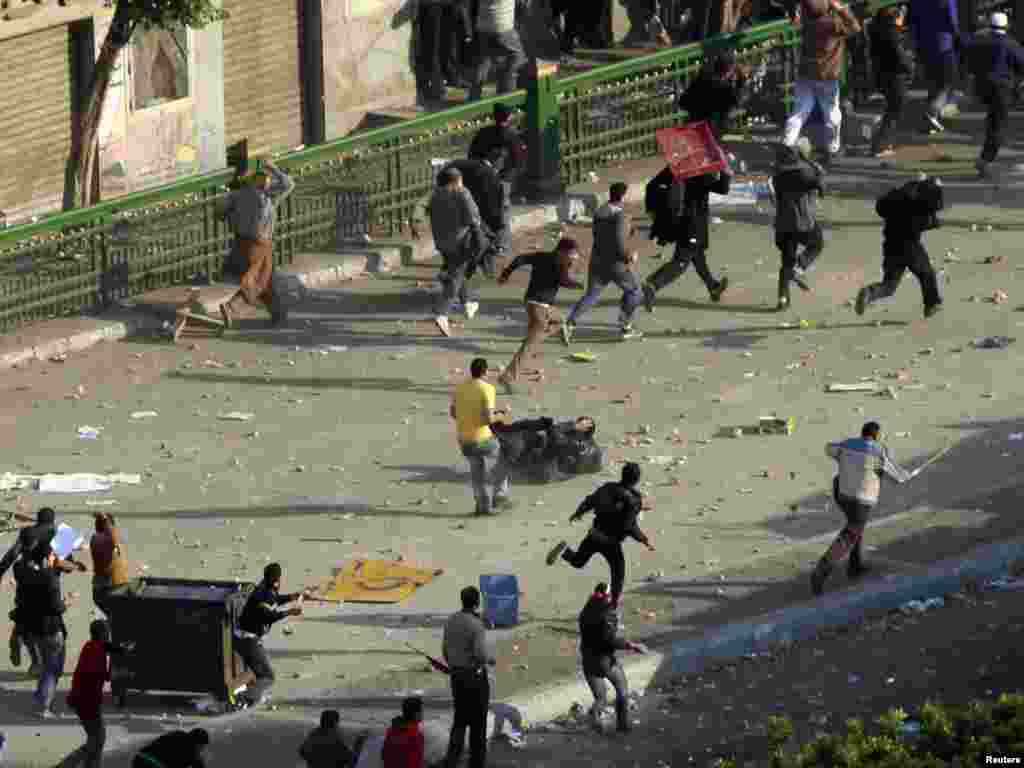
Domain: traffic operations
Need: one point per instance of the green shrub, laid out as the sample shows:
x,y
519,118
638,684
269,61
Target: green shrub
x,y
946,736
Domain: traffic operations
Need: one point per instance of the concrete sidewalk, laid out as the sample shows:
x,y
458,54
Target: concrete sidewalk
x,y
276,734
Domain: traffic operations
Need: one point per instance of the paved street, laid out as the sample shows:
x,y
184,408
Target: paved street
x,y
350,442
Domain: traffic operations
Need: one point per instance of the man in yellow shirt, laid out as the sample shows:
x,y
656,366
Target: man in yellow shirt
x,y
474,413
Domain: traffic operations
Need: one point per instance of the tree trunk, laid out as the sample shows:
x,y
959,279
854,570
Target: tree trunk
x,y
80,170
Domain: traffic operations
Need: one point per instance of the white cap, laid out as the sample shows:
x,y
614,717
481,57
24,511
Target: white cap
x,y
999,21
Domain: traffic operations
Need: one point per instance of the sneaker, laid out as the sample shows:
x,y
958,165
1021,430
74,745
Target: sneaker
x,y
472,307
857,571
441,322
862,301
933,124
932,310
567,331
227,317
629,332
649,296
718,290
798,278
818,578
983,169
46,714
783,304
504,502
556,552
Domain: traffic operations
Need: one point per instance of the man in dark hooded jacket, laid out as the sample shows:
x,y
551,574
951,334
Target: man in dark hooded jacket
x,y
908,211
617,510
715,94
796,184
682,215
892,66
599,640
483,180
997,60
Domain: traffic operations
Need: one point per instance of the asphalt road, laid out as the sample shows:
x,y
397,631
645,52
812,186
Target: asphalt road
x,y
350,440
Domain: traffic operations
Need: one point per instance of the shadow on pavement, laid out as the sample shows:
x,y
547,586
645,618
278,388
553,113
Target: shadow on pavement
x,y
968,478
385,384
300,509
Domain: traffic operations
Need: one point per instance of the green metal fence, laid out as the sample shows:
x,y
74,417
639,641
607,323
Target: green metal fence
x,y
88,259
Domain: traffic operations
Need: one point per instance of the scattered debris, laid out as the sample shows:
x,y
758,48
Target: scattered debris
x,y
993,342
235,416
921,606
144,415
89,433
864,386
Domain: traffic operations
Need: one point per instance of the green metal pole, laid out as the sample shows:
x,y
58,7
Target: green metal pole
x,y
543,137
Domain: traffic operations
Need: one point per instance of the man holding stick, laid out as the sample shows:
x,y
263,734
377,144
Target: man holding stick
x,y
862,462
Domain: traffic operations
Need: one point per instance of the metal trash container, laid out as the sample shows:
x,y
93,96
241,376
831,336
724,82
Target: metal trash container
x,y
183,635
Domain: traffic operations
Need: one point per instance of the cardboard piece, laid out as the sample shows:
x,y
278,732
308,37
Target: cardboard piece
x,y
377,581
864,386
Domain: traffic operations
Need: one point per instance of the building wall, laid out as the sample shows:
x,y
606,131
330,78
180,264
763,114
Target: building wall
x,y
149,147
367,46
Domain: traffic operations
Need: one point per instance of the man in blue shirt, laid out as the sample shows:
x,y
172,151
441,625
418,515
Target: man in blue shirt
x,y
996,60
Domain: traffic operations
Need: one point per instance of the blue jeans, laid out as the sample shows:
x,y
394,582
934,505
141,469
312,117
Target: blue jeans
x,y
488,473
51,667
807,93
454,285
598,280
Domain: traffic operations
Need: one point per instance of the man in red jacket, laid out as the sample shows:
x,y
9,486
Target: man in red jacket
x,y
86,697
403,744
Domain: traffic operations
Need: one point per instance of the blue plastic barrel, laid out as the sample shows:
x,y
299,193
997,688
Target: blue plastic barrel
x,y
501,599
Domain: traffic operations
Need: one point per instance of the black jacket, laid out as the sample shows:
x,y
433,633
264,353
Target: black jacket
x,y
616,511
797,182
40,606
508,139
996,58
911,210
711,98
484,183
260,612
599,625
26,542
888,52
176,749
685,211
548,273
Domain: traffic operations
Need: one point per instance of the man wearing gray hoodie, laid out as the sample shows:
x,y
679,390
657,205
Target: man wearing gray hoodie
x,y
796,184
610,262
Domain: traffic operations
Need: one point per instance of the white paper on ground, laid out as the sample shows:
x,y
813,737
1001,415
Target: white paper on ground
x,y
84,482
66,541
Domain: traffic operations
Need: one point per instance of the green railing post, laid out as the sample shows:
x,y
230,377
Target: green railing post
x,y
543,136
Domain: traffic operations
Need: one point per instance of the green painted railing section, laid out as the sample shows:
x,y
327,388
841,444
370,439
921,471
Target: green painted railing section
x,y
88,259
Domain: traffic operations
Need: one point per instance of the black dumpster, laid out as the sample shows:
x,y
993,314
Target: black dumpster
x,y
182,631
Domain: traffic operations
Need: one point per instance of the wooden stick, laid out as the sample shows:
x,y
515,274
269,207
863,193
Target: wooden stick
x,y
935,458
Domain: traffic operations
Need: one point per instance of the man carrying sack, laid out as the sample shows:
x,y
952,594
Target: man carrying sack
x,y
251,212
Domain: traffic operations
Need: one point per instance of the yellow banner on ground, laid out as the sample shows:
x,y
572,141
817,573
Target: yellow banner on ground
x,y
377,581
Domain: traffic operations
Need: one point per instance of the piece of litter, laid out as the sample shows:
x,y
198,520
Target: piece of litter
x,y
144,414
101,502
89,433
865,386
993,342
583,357
1017,436
235,416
